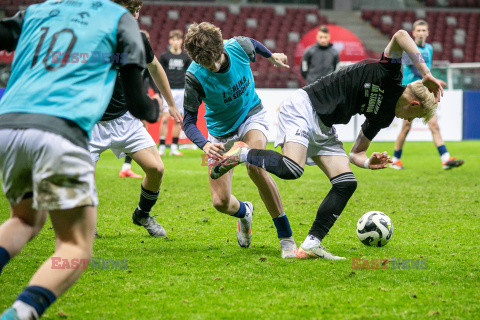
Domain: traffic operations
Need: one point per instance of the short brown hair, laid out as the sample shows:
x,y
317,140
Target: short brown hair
x,y
131,5
323,28
177,33
420,23
204,43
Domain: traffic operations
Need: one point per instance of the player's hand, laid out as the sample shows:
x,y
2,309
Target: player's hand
x,y
279,60
433,85
176,115
214,150
379,160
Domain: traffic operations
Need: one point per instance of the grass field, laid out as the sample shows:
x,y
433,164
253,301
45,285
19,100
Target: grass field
x,y
200,272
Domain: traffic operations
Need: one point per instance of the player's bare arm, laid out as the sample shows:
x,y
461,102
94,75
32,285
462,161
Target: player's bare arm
x,y
402,42
358,155
279,60
160,78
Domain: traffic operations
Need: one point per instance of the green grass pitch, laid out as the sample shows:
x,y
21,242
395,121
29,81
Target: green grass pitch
x,y
200,272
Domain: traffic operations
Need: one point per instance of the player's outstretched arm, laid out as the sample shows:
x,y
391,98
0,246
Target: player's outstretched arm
x,y
279,60
138,102
402,42
161,81
358,155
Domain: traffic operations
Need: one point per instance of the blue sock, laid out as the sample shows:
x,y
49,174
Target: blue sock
x,y
242,211
4,258
442,149
37,297
397,153
283,226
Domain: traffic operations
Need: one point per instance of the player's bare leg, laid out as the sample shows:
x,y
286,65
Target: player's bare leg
x,y
402,137
447,160
22,226
266,186
151,163
163,132
175,134
225,202
74,237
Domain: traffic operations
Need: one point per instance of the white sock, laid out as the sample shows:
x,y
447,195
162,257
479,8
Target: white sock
x,y
243,154
25,311
310,242
173,147
395,159
445,157
126,166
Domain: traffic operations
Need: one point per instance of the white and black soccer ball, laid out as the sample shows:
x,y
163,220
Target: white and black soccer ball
x,y
374,228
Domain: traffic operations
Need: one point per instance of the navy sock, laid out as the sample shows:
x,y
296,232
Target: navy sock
x,y
128,159
397,153
442,149
4,258
37,297
147,200
175,140
242,211
283,227
162,141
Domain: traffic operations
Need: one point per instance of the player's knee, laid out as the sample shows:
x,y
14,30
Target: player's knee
x,y
434,127
407,127
156,172
255,172
346,188
220,203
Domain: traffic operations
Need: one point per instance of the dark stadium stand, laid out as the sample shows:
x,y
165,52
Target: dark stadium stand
x,y
452,3
448,30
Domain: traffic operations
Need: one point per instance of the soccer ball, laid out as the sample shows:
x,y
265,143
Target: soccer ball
x,y
374,228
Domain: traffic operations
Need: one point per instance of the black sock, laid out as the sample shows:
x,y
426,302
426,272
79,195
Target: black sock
x,y
38,297
175,140
162,142
275,163
128,159
343,186
147,201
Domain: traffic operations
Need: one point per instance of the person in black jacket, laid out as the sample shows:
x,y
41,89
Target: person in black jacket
x,y
319,59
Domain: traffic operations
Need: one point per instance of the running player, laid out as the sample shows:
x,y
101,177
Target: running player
x,y
411,74
221,77
52,101
306,133
175,62
124,134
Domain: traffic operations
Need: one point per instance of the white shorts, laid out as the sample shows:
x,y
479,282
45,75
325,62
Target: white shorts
x,y
257,121
123,135
59,173
298,122
178,96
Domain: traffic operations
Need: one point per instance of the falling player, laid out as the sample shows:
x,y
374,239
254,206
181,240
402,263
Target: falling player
x,y
306,133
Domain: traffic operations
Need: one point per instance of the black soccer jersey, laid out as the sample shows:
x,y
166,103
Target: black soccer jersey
x,y
117,106
370,87
175,66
